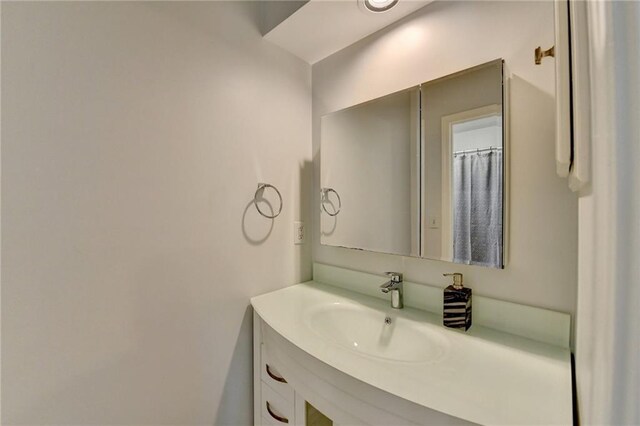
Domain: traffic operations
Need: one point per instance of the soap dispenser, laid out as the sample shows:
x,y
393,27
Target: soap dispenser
x,y
457,304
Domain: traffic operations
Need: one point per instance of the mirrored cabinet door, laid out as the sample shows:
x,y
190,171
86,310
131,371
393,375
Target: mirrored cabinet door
x,y
420,172
369,175
463,173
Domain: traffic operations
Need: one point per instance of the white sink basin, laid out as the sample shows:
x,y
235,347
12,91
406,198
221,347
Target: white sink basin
x,y
364,330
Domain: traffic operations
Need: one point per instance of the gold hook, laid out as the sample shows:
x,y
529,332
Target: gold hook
x,y
539,54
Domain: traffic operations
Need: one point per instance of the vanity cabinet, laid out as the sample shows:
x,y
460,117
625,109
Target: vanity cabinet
x,y
276,403
276,396
360,362
289,384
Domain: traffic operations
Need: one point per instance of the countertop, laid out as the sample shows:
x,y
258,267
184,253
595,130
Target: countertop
x,y
486,377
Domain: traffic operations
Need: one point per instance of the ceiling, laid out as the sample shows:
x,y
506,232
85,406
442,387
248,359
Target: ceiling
x,y
322,27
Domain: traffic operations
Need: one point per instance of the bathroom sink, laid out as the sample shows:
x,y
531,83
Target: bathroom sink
x,y
319,333
374,333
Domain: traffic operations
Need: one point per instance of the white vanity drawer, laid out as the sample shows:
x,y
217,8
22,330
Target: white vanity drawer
x,y
276,410
270,375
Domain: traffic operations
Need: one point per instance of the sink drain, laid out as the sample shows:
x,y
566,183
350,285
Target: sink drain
x,y
387,320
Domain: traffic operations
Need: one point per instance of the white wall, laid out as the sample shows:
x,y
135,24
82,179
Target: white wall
x,y
480,138
442,38
274,12
133,137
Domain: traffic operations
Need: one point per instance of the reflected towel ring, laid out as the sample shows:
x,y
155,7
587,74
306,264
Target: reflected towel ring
x,y
324,195
261,187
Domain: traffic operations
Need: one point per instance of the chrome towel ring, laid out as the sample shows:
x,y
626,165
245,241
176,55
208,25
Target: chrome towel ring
x,y
261,188
324,194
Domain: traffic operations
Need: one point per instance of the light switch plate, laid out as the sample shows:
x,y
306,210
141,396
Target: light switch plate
x,y
434,222
298,232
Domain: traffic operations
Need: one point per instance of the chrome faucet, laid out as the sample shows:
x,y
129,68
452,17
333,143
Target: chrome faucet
x,y
394,286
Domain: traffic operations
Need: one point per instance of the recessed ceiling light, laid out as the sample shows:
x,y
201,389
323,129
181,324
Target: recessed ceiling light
x,y
379,5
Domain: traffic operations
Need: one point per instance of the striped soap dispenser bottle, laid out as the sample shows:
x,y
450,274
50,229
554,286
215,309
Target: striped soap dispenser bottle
x,y
457,304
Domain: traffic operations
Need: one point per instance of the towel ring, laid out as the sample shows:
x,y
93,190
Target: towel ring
x,y
324,195
261,187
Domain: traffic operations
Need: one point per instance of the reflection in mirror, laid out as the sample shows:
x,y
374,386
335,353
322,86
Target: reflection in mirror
x,y
369,171
463,167
419,172
477,188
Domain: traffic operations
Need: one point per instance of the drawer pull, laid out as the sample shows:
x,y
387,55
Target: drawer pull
x,y
275,416
273,376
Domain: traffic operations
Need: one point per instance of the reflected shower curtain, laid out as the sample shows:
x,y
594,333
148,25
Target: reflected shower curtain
x,y
477,201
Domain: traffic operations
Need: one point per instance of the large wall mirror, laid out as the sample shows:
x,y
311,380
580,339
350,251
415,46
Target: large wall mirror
x,y
420,172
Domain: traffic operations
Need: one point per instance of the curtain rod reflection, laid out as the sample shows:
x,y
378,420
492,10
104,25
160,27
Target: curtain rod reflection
x,y
478,150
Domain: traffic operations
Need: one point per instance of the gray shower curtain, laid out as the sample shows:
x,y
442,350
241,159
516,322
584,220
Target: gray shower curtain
x,y
477,215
